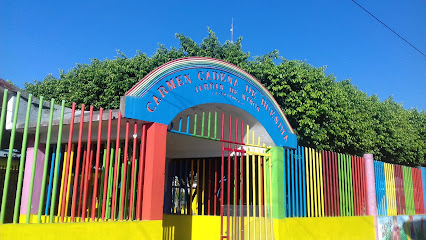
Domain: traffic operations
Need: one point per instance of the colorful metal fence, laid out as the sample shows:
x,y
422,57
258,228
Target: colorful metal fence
x,y
88,178
320,183
83,179
399,190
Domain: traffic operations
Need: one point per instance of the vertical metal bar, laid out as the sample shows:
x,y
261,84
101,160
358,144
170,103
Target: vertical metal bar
x,y
296,183
186,187
67,163
195,124
215,125
302,150
69,180
285,159
115,186
248,193
321,183
123,187
198,188
253,167
215,187
314,179
101,187
187,124
133,174
98,153
110,183
37,138
77,164
22,162
58,155
83,168
293,207
9,156
88,167
308,180
289,184
141,173
116,165
324,182
108,147
192,184
203,188
61,189
209,183
208,126
222,178
49,188
202,124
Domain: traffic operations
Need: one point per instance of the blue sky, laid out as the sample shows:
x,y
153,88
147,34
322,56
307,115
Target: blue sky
x,y
41,37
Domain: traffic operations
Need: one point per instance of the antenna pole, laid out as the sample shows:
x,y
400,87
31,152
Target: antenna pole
x,y
232,30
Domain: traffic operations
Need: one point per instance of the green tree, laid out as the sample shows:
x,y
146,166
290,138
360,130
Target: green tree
x,y
326,114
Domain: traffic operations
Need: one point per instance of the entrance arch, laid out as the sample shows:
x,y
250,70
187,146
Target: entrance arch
x,y
192,85
188,82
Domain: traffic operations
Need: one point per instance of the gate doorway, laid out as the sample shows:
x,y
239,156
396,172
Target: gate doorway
x,y
218,165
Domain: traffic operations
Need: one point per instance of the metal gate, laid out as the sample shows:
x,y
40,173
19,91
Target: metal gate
x,y
246,210
238,183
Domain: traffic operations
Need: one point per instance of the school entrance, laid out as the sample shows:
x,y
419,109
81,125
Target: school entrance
x,y
218,166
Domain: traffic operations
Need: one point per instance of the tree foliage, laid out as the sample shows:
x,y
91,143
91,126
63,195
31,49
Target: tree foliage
x,y
325,114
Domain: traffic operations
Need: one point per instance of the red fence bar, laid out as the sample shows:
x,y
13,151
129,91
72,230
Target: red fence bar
x,y
88,166
117,157
132,182
98,152
123,188
67,164
325,183
354,186
215,188
77,163
107,165
141,169
81,183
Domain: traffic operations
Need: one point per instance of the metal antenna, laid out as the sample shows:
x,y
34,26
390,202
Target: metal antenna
x,y
232,30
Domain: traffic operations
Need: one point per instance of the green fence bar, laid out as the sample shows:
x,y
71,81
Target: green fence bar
x,y
37,138
46,160
110,180
9,158
195,124
58,151
209,123
202,124
102,184
22,162
215,125
116,186
339,166
351,198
